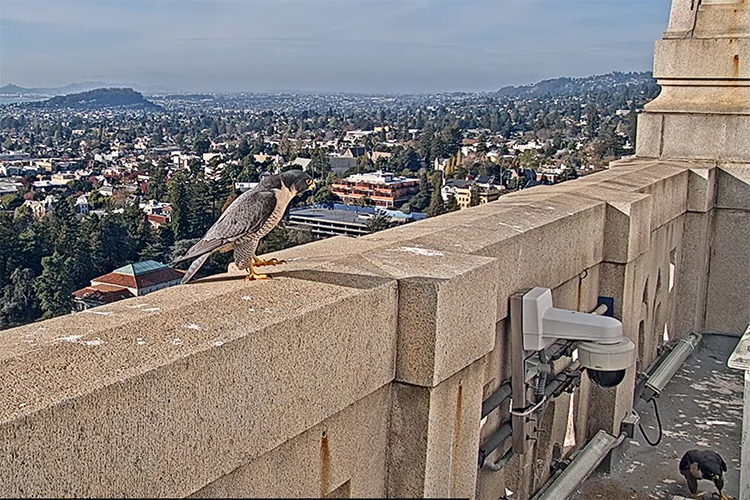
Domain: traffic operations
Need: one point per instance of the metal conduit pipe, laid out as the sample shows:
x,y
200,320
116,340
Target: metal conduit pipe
x,y
504,392
496,466
580,468
494,440
563,379
496,398
558,384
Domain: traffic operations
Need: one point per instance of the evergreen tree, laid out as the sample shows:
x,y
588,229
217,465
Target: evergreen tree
x,y
320,164
200,216
8,247
179,198
63,226
54,288
452,204
420,201
592,119
159,246
157,188
18,303
437,205
115,248
474,198
202,144
379,222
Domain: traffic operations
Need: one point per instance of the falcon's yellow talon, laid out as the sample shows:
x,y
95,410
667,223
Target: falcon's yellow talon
x,y
253,276
270,262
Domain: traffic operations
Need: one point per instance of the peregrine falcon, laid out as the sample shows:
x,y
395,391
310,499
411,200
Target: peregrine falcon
x,y
247,219
703,464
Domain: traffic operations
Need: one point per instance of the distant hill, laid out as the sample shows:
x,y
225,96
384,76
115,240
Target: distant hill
x,y
72,88
12,89
121,98
579,86
15,89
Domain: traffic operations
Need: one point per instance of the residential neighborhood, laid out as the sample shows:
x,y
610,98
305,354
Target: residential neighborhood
x,y
144,176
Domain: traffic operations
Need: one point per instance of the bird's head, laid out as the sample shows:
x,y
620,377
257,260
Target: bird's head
x,y
297,181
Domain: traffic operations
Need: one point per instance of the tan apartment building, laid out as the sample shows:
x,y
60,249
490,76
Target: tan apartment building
x,y
381,189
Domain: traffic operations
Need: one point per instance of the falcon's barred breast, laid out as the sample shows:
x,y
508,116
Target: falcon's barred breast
x,y
247,219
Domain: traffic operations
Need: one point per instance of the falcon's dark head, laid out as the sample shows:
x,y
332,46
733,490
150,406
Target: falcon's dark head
x,y
297,180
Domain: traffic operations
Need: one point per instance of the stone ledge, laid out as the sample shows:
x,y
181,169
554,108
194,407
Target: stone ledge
x,y
228,390
441,294
544,242
733,186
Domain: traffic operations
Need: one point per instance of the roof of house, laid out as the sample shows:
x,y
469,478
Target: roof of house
x,y
355,151
486,179
140,275
160,219
103,293
458,183
139,268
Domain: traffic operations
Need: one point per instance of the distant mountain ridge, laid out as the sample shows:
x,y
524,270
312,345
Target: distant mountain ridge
x,y
563,86
121,98
72,88
566,86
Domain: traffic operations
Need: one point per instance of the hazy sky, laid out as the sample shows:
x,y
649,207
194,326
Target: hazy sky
x,y
324,45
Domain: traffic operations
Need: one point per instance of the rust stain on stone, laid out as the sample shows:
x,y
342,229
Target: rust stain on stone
x,y
456,441
325,465
736,66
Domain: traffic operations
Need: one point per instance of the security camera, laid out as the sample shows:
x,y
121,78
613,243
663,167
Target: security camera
x,y
602,350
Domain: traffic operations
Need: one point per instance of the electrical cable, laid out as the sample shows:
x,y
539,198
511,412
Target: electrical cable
x,y
658,421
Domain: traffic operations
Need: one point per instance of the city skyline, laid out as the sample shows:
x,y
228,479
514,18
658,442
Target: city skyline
x,y
324,46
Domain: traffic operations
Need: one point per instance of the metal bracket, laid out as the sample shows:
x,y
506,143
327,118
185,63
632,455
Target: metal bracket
x,y
524,422
610,303
629,423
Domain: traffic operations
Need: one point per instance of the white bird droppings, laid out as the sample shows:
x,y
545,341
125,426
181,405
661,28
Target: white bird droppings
x,y
247,297
71,338
192,326
177,341
140,341
217,343
421,251
76,339
719,422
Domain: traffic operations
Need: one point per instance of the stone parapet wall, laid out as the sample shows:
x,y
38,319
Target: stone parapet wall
x,y
360,368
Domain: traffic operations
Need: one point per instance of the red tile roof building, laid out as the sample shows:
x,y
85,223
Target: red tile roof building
x,y
132,280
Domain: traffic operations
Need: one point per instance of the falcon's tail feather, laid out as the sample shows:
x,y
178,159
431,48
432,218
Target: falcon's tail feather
x,y
197,263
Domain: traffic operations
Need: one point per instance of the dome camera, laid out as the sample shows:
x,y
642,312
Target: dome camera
x,y
603,350
606,363
606,379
